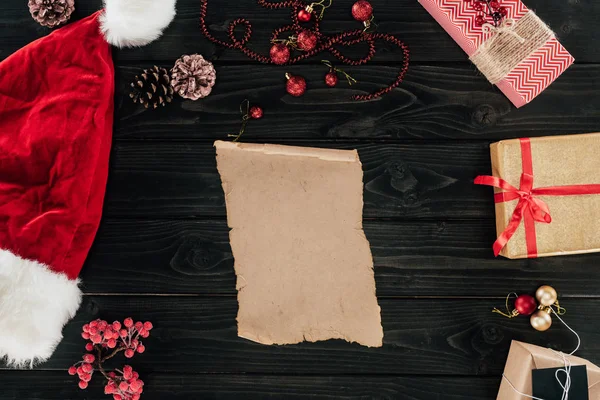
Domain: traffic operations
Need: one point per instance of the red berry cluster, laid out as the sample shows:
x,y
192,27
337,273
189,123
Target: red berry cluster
x,y
104,336
488,11
126,386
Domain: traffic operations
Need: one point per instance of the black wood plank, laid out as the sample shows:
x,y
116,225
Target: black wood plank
x,y
421,336
411,259
46,385
572,21
401,180
434,102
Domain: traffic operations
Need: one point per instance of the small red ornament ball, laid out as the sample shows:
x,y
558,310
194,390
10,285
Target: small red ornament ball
x,y
525,304
362,10
478,6
307,40
331,79
503,11
479,20
296,85
494,4
280,54
255,112
304,16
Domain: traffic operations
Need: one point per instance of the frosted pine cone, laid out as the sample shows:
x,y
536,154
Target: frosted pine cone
x,y
51,13
193,77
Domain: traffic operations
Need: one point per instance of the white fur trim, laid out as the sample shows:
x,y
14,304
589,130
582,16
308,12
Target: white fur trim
x,y
35,304
132,23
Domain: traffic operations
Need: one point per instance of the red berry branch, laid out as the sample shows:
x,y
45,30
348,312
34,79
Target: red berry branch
x,y
106,341
280,53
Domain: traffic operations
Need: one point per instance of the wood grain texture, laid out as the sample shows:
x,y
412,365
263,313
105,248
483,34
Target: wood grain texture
x,y
434,102
421,336
411,259
408,20
47,385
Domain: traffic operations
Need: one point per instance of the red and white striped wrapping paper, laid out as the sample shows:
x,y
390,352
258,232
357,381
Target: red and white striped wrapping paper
x,y
526,80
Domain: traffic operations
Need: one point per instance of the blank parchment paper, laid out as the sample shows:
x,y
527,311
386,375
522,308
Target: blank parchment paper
x,y
303,264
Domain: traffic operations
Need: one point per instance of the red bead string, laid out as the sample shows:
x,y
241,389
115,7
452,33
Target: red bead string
x,y
348,38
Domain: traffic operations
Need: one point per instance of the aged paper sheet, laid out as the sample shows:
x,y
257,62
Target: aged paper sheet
x,y
303,264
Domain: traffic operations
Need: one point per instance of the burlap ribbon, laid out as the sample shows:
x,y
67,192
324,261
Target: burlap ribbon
x,y
510,44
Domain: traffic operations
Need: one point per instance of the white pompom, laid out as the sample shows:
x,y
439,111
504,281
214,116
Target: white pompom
x,y
132,23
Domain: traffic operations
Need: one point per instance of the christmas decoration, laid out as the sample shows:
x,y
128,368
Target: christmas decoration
x,y
152,88
303,13
51,13
56,131
331,78
488,12
571,230
280,54
513,48
307,40
248,113
526,360
255,112
526,305
106,340
296,85
192,77
362,11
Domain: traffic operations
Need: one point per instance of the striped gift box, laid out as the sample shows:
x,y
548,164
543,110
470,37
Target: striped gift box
x,y
531,76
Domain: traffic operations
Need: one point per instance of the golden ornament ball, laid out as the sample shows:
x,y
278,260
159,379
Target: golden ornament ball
x,y
546,295
541,320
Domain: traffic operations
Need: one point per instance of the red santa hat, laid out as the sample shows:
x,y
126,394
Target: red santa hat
x,y
56,120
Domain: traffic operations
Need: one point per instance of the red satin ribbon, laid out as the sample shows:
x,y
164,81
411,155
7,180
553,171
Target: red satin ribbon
x,y
530,209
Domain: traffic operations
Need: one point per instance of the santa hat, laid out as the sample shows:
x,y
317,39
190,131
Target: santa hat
x,y
56,120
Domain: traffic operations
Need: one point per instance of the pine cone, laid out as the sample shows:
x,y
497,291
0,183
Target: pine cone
x,y
152,88
193,77
51,13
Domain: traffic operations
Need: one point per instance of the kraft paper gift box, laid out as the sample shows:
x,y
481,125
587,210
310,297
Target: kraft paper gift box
x,y
552,206
525,357
521,56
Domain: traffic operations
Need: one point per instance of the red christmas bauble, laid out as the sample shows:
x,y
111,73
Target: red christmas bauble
x,y
280,54
479,20
331,79
362,10
296,85
255,112
304,16
525,304
503,11
307,40
478,6
494,4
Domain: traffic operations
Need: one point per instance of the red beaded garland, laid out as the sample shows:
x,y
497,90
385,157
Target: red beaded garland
x,y
326,43
255,112
307,40
296,85
331,79
280,54
525,304
362,10
304,16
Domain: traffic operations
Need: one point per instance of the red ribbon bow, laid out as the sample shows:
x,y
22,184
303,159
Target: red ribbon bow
x,y
530,209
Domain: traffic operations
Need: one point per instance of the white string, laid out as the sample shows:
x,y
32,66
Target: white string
x,y
567,369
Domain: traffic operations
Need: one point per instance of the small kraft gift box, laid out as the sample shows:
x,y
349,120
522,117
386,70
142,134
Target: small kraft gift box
x,y
519,379
547,195
510,45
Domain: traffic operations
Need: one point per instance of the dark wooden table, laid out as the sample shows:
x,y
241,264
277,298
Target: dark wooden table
x,y
162,252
